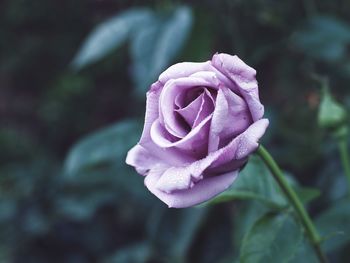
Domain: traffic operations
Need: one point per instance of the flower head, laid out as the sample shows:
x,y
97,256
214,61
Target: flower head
x,y
202,122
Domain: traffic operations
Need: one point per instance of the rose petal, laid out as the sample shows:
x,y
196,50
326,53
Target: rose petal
x,y
241,146
206,108
215,78
244,77
152,110
195,112
239,112
183,69
194,143
219,118
190,112
235,153
142,159
200,192
223,127
169,156
175,178
167,102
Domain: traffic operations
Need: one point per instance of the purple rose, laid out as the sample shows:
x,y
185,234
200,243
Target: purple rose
x,y
202,122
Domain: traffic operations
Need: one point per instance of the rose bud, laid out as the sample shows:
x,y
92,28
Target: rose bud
x,y
202,122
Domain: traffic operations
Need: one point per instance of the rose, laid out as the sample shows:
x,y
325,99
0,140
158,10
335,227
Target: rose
x,y
202,122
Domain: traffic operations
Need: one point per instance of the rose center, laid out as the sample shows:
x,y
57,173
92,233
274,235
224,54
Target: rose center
x,y
194,106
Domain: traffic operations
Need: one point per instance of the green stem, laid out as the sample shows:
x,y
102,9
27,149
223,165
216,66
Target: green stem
x,y
305,219
344,155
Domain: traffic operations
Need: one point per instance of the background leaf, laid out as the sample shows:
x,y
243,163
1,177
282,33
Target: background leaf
x,y
109,35
106,146
98,162
334,224
273,238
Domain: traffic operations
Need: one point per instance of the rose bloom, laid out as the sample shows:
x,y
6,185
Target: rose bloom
x,y
202,122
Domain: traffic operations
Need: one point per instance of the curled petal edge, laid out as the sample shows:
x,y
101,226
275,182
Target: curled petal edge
x,y
199,193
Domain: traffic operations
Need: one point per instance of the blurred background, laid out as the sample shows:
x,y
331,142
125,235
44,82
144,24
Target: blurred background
x,y
73,78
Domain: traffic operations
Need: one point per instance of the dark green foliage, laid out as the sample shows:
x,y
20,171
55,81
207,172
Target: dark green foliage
x,y
272,238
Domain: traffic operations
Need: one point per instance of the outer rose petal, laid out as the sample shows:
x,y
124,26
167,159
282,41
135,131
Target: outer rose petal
x,y
183,69
200,192
142,159
175,178
241,146
152,110
244,77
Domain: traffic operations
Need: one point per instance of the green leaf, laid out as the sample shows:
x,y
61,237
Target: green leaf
x,y
96,173
155,41
248,213
273,238
109,35
155,45
105,147
307,194
334,225
304,253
